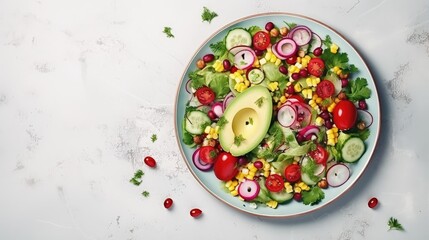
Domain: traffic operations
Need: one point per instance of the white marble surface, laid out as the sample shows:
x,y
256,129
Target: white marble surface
x,y
84,84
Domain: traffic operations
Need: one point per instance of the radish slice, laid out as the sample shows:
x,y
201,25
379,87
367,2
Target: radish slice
x,y
200,164
286,47
239,48
244,59
188,87
230,96
366,117
315,42
301,35
217,108
303,115
337,175
249,189
286,116
274,50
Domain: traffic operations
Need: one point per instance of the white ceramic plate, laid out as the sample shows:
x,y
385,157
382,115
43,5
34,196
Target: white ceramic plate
x,y
293,208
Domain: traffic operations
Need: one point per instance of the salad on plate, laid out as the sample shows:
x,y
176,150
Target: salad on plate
x,y
277,114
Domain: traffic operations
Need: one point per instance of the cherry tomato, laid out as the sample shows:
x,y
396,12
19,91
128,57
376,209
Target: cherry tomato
x,y
208,154
325,89
293,173
226,166
150,161
320,155
372,203
261,40
275,183
316,66
205,95
344,114
195,212
168,202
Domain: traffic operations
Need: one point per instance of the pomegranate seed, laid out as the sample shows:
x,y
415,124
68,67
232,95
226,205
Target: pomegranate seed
x,y
258,52
372,203
258,164
195,212
168,202
303,73
344,82
226,64
296,76
283,69
318,51
362,104
212,115
290,90
150,161
297,197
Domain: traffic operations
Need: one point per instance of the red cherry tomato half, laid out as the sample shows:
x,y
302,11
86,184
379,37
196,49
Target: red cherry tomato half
x,y
293,173
226,166
150,161
195,212
316,66
208,154
275,183
261,40
320,155
205,95
325,89
344,114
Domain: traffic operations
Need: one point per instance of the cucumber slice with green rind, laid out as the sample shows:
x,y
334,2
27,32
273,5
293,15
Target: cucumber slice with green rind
x,y
237,37
352,149
281,196
196,121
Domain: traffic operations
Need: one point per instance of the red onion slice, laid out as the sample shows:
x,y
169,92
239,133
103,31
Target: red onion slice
x,y
301,35
337,175
286,47
286,116
188,87
228,98
240,48
308,131
200,164
217,108
244,59
366,117
274,50
249,189
315,42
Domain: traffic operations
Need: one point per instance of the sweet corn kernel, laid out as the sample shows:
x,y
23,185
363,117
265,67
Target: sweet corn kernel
x,y
234,193
297,87
282,99
331,136
232,76
245,171
297,189
231,188
298,65
207,129
289,188
267,166
273,86
252,168
273,58
268,56
228,184
246,83
278,61
319,100
334,48
298,59
319,121
272,204
315,81
331,142
309,82
266,173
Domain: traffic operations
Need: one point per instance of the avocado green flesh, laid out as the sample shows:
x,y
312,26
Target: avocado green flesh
x,y
248,117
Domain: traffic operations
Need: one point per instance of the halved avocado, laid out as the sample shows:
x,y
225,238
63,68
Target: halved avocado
x,y
248,119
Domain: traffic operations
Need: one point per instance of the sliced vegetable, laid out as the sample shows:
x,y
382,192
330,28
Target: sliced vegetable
x,y
255,75
217,108
301,35
337,175
316,42
352,149
286,47
287,115
366,117
281,196
249,189
238,36
244,59
196,121
201,165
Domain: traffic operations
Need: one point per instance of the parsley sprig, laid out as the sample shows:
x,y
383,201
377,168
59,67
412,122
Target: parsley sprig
x,y
167,31
260,101
394,224
153,138
238,140
137,178
208,15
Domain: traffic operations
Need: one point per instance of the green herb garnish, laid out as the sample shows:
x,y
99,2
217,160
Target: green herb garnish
x,y
327,41
218,49
137,179
153,138
167,31
238,140
145,194
358,90
251,120
221,122
260,101
208,15
290,25
394,224
313,196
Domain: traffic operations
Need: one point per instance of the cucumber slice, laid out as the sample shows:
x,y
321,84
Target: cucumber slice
x,y
237,37
196,121
352,149
263,195
255,76
281,196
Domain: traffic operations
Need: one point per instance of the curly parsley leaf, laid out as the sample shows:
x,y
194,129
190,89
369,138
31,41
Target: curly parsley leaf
x,y
358,90
253,30
394,224
145,194
221,122
197,80
218,49
340,59
313,196
153,138
137,178
167,31
208,15
327,41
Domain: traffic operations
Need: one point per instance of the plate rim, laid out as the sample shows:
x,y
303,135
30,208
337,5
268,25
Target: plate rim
x,y
296,15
